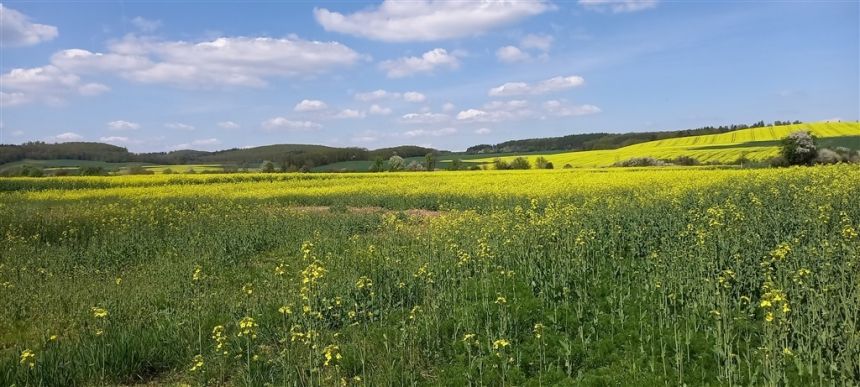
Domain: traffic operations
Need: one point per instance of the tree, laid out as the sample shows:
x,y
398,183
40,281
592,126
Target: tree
x,y
378,165
430,161
456,165
541,162
396,163
267,167
799,148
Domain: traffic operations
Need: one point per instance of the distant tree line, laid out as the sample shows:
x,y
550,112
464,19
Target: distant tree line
x,y
283,157
593,141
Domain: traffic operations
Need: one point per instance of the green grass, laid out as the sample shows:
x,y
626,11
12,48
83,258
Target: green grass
x,y
565,277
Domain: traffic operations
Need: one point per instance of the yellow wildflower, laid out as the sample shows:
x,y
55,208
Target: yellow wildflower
x,y
28,358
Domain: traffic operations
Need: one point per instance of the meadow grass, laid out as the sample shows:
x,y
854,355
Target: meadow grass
x,y
592,277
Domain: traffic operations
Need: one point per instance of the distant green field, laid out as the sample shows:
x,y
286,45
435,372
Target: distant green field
x,y
754,144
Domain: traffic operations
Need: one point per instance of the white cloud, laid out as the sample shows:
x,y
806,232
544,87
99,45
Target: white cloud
x,y
146,25
414,96
427,63
429,20
536,42
47,84
618,6
118,140
376,95
204,143
123,125
284,123
226,61
511,54
379,110
68,136
430,133
350,113
424,118
471,114
562,109
547,86
310,105
179,126
16,29
228,125
483,131
515,104
497,111
447,107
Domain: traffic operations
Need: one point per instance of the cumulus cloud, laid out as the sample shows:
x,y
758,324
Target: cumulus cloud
x,y
228,125
201,143
310,105
562,109
47,84
123,125
497,111
447,107
426,63
543,87
226,61
16,29
412,96
429,132
510,54
376,95
146,25
179,126
379,110
429,20
424,118
115,139
537,42
618,6
350,113
68,136
285,123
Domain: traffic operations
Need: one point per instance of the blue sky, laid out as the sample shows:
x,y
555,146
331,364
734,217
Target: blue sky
x,y
159,76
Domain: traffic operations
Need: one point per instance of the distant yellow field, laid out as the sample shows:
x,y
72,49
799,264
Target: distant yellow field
x,y
722,148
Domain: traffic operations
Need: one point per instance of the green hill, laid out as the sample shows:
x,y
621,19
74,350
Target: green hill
x,y
754,144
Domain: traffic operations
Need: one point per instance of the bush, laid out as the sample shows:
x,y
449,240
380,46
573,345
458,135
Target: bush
x,y
541,162
91,171
549,165
396,163
139,170
685,160
640,162
501,164
567,166
520,163
415,166
456,165
799,148
267,167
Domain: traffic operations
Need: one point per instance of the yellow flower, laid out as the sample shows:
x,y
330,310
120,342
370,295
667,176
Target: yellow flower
x,y
219,336
197,363
198,273
363,282
247,328
28,358
248,289
331,353
538,330
501,300
765,304
118,281
285,310
468,336
99,312
501,344
768,317
280,270
414,313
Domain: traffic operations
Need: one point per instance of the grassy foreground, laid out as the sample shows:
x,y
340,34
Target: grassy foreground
x,y
636,277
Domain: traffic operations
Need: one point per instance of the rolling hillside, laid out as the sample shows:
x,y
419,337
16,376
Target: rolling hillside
x,y
754,144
